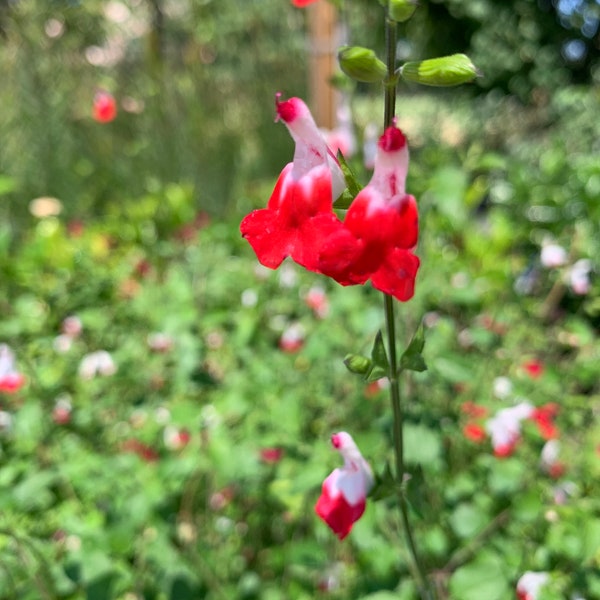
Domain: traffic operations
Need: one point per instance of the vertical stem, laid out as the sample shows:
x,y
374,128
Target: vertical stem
x,y
425,590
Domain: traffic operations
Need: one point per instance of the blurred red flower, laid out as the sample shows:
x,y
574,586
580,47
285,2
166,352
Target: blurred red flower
x,y
104,108
344,492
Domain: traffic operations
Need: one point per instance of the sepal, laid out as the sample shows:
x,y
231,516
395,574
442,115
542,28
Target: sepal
x,y
441,72
361,64
352,185
412,358
401,10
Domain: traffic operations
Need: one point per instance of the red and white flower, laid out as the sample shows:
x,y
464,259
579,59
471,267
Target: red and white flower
x,y
299,214
105,107
344,491
505,428
530,584
10,379
380,229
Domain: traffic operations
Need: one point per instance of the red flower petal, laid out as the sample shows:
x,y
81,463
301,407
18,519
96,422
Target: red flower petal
x,y
396,276
297,220
338,513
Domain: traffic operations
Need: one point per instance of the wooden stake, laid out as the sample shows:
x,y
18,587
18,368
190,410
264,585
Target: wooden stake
x,y
322,23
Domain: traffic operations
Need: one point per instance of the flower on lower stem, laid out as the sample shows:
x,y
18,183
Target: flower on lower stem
x,y
380,229
344,491
530,584
299,214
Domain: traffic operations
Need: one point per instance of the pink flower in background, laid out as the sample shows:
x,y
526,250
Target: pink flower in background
x,y
549,459
344,492
302,3
380,229
176,438
505,428
299,214
530,584
579,277
292,339
61,413
10,379
316,300
271,456
104,108
553,256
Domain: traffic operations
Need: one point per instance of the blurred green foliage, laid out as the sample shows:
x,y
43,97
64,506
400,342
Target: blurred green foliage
x,y
103,506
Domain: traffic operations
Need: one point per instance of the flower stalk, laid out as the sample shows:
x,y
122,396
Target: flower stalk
x,y
425,589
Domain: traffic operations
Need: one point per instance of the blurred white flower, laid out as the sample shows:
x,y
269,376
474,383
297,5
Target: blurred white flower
x,y
316,299
530,584
502,387
288,276
62,343
72,326
159,342
578,276
249,298
97,363
552,255
505,427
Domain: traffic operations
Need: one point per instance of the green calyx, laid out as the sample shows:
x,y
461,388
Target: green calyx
x,y
442,72
401,10
361,64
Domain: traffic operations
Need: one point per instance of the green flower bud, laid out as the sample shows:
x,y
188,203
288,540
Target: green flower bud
x,y
401,10
443,71
355,363
361,64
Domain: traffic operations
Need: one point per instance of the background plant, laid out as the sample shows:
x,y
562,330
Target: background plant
x,y
86,513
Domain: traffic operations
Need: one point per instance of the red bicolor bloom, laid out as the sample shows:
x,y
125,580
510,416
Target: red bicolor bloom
x,y
105,107
544,418
299,214
534,368
505,428
10,379
380,229
530,584
302,3
344,492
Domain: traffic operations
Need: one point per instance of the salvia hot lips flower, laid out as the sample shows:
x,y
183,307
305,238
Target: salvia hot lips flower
x,y
10,379
380,228
105,107
299,214
344,492
530,584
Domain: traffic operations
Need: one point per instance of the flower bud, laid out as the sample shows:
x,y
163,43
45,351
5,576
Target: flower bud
x,y
361,64
442,72
355,363
401,10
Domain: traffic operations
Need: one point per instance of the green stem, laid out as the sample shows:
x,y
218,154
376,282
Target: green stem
x,y
425,590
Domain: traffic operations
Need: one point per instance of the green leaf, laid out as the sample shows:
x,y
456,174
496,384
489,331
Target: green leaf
x,y
379,361
412,358
483,578
353,187
7,185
